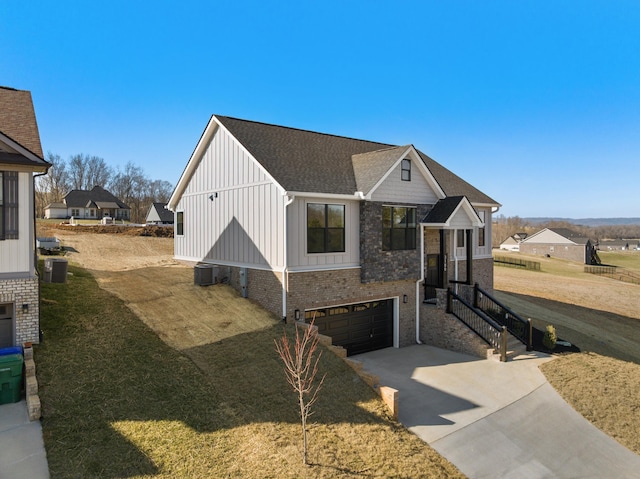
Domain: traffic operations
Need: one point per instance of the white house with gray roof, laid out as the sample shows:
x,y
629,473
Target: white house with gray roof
x,y
352,233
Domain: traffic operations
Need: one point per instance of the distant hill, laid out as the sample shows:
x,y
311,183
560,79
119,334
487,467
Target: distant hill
x,y
588,221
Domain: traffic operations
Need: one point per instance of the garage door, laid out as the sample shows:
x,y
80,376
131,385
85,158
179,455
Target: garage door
x,y
356,327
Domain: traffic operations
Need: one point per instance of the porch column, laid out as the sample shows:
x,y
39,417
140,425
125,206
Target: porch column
x,y
469,257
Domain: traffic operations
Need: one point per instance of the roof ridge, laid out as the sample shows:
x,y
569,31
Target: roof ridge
x,y
389,145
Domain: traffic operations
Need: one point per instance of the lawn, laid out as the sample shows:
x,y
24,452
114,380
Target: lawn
x,y
599,315
119,402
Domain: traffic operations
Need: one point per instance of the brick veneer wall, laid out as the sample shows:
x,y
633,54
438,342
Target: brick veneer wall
x,y
317,289
437,328
23,291
264,287
570,252
377,264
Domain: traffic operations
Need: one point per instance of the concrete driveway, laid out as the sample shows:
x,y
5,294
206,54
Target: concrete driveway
x,y
496,420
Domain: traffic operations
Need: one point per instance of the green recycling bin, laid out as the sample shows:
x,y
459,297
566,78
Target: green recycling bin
x,y
10,378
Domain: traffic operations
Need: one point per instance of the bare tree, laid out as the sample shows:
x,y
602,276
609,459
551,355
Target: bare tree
x,y
54,185
301,368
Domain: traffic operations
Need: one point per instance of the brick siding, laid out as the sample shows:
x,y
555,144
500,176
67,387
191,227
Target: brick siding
x,y
19,292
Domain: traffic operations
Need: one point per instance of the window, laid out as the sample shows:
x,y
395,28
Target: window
x,y
8,205
460,238
180,223
325,228
406,170
75,212
398,228
481,237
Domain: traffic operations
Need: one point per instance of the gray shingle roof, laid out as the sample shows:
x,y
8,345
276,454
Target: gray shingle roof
x,y
369,167
165,215
306,161
98,195
18,119
443,210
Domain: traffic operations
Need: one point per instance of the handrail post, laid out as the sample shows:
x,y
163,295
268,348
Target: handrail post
x,y
449,301
503,344
475,295
530,336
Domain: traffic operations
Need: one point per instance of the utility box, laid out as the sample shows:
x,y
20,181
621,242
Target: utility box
x,y
11,378
55,270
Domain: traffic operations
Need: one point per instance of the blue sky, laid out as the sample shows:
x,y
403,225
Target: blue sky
x,y
537,103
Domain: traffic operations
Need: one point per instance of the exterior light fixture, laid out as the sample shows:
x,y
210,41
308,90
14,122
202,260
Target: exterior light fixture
x,y
405,299
296,314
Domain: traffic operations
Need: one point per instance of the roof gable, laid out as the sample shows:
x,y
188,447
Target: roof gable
x,y
452,212
302,161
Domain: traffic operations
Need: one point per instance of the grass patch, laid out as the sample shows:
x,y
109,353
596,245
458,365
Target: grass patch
x,y
605,390
624,259
118,402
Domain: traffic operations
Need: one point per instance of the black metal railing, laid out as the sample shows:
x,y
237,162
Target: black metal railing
x,y
518,326
481,324
516,262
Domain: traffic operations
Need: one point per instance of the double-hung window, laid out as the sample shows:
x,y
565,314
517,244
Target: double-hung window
x,y
8,205
325,228
398,228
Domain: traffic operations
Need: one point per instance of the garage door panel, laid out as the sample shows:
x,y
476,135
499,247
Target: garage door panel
x,y
359,328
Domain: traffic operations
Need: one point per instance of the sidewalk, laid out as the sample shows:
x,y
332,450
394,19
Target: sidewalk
x,y
22,454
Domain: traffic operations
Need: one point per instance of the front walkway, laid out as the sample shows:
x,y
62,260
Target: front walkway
x,y
22,453
496,420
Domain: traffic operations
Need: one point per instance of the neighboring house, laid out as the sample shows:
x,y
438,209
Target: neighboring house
x,y
560,243
20,158
512,243
354,234
159,215
618,245
88,204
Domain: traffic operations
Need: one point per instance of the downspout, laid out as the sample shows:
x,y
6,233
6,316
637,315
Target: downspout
x,y
455,258
418,284
285,268
35,249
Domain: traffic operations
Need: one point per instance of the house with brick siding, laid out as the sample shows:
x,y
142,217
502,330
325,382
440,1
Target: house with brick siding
x,y
357,235
561,243
20,159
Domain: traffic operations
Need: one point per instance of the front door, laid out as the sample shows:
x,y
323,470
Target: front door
x,y
433,278
6,325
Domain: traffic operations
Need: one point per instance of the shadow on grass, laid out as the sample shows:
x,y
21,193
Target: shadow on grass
x,y
601,332
99,365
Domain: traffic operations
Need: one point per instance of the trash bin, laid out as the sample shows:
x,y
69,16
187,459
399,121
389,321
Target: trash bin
x,y
10,350
10,378
55,270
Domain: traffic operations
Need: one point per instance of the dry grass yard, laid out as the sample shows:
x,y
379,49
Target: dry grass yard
x,y
599,315
210,399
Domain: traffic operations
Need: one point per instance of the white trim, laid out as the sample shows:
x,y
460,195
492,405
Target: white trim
x,y
198,153
329,196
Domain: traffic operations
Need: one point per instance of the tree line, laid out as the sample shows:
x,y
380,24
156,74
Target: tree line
x,y
503,227
82,172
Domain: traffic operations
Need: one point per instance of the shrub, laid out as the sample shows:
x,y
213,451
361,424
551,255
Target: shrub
x,y
550,338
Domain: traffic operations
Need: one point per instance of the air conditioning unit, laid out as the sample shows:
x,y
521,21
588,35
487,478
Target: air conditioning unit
x,y
205,274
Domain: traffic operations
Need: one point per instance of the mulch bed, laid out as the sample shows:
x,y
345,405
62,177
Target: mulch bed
x,y
538,335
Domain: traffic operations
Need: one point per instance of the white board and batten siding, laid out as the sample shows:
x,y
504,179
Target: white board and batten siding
x,y
16,255
299,259
416,191
243,224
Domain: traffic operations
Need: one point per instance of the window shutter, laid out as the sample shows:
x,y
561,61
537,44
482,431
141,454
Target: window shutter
x,y
10,187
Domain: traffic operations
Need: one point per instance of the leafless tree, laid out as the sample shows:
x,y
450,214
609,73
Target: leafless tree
x,y
301,368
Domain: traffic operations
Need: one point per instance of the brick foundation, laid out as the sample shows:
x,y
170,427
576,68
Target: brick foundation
x,y
19,292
